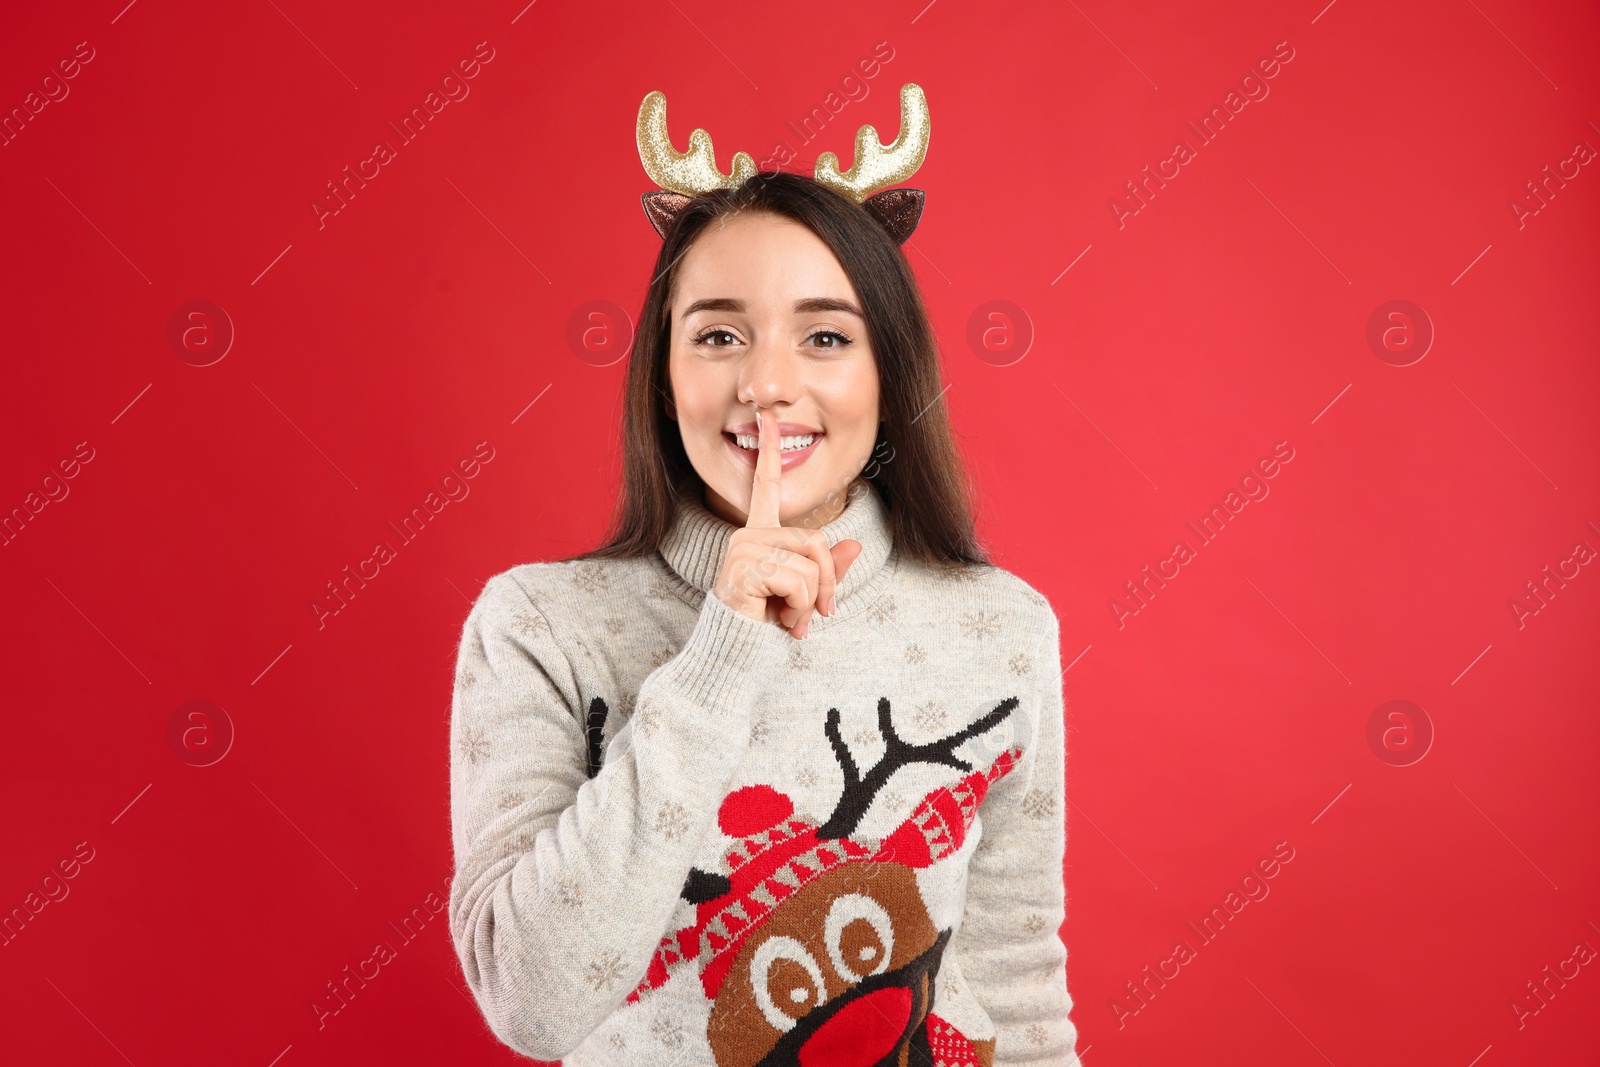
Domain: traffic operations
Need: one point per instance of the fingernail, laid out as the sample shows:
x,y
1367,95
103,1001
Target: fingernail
x,y
833,605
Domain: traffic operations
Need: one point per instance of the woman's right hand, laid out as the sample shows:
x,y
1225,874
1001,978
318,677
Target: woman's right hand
x,y
775,573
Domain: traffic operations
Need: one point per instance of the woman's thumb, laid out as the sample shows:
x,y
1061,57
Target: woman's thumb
x,y
844,553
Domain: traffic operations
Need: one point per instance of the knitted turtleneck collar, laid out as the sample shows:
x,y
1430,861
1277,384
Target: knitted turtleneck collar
x,y
698,541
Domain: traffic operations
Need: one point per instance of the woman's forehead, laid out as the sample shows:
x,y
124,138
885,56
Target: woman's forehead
x,y
768,263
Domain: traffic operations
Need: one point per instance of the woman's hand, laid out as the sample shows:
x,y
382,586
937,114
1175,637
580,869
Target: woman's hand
x,y
775,573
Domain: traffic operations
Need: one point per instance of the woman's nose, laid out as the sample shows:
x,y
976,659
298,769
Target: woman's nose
x,y
767,376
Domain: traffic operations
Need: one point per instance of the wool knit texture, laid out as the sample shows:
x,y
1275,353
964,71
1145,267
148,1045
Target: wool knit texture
x,y
683,837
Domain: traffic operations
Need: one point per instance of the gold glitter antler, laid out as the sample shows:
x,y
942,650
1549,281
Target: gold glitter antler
x,y
876,164
692,172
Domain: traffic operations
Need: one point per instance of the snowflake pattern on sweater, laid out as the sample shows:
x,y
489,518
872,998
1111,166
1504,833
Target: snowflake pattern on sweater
x,y
683,836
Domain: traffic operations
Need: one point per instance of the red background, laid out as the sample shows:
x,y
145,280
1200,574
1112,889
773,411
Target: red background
x,y
1229,314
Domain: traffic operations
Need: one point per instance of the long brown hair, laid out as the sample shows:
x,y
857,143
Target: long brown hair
x,y
916,467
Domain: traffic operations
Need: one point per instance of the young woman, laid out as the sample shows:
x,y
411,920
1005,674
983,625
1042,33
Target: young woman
x,y
776,774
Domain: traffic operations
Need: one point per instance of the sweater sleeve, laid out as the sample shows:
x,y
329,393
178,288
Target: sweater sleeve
x,y
1009,945
564,884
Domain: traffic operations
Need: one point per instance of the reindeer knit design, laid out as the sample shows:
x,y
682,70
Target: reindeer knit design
x,y
682,837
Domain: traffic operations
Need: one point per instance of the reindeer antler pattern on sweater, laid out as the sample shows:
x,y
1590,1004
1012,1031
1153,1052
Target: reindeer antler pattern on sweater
x,y
859,791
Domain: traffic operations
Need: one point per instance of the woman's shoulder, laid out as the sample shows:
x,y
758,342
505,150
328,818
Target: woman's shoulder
x,y
980,587
568,585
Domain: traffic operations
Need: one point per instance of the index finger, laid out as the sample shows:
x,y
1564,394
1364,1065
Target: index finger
x,y
764,488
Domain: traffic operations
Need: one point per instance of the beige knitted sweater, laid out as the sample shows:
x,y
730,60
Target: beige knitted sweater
x,y
683,837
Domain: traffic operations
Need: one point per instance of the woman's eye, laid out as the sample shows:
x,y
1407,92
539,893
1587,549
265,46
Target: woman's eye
x,y
703,338
839,339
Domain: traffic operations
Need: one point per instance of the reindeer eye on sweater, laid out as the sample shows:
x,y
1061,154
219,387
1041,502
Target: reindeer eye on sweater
x,y
787,981
859,935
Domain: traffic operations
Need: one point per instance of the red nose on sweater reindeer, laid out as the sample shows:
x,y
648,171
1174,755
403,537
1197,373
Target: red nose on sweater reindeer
x,y
817,950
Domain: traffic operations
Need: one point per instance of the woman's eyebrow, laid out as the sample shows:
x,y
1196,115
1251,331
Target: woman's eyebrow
x,y
714,303
826,303
801,307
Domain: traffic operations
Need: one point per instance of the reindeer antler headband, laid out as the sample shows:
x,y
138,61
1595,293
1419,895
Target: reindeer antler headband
x,y
683,175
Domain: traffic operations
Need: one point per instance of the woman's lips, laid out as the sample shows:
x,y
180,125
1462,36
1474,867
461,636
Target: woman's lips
x,y
791,459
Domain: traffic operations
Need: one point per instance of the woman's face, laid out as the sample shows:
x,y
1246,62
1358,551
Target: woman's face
x,y
765,318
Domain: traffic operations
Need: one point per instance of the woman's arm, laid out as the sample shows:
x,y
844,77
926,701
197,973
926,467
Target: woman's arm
x,y
1009,947
564,884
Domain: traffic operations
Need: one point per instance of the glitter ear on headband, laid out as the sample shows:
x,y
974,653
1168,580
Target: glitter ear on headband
x,y
683,175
